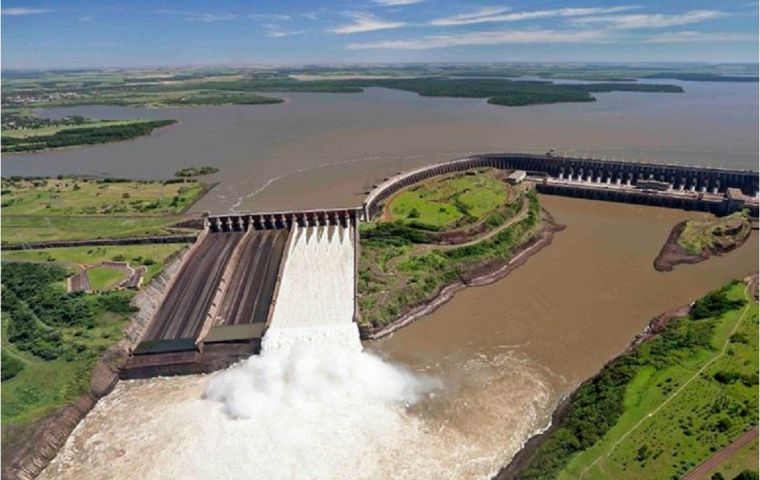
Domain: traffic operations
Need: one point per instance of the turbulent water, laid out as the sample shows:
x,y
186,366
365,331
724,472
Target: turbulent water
x,y
313,405
481,373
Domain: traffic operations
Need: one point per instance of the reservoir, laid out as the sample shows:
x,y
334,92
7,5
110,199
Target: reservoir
x,y
328,149
490,365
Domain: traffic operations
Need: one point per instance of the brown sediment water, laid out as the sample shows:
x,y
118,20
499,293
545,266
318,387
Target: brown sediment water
x,y
505,352
327,149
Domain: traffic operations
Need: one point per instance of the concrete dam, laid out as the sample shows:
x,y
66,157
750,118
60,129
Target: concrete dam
x,y
244,278
270,278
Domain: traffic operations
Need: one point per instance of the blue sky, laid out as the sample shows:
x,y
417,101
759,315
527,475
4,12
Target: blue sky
x,y
102,33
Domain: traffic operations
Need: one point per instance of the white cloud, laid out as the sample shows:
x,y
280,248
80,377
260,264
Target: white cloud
x,y
504,14
687,36
197,16
654,20
486,38
365,22
396,3
269,16
18,11
275,31
210,17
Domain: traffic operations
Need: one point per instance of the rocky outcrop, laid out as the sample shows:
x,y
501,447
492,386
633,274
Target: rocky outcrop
x,y
672,253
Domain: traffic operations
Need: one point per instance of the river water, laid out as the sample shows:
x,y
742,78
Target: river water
x,y
469,383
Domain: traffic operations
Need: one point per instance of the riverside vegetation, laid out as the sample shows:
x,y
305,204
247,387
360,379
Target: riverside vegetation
x,y
69,208
87,133
404,263
242,87
51,339
670,403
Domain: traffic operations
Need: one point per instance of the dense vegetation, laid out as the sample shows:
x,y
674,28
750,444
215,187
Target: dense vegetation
x,y
715,234
39,309
397,270
196,171
242,86
708,415
82,136
499,91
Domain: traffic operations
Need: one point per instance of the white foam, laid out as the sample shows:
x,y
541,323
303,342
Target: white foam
x,y
317,284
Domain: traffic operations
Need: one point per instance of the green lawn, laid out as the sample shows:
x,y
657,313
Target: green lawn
x,y
154,254
36,228
103,278
399,267
81,196
677,416
447,202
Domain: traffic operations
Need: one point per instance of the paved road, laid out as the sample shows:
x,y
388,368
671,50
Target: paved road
x,y
713,462
252,283
184,309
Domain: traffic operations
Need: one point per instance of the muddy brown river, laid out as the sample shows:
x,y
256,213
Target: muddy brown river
x,y
503,354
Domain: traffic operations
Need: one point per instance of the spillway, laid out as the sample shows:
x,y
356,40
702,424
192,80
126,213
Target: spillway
x,y
316,292
251,285
183,311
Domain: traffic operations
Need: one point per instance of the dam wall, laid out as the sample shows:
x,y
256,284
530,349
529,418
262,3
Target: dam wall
x,y
225,296
242,222
613,173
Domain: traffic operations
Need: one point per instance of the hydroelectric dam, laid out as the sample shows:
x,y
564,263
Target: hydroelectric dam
x,y
254,278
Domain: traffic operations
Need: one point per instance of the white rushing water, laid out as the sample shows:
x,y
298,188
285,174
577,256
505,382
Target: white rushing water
x,y
313,405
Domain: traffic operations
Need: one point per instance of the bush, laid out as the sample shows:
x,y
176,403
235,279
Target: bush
x,y
10,366
714,304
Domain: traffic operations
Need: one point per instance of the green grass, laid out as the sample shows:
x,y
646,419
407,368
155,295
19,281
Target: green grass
x,y
56,338
37,210
446,202
675,413
744,459
103,278
700,235
82,135
82,196
51,130
39,228
399,268
155,254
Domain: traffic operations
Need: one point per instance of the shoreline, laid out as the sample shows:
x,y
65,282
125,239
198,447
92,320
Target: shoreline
x,y
85,145
562,410
673,254
653,328
485,275
44,438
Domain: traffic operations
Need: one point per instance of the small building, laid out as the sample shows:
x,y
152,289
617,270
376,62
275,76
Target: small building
x,y
735,200
648,184
516,177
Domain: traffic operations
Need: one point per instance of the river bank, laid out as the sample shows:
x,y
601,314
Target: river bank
x,y
483,274
40,442
673,253
564,409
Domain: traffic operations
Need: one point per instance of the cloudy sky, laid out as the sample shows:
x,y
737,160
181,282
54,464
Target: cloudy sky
x,y
106,33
